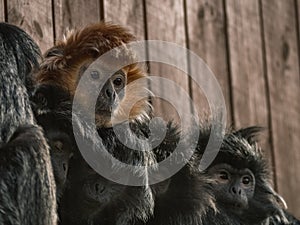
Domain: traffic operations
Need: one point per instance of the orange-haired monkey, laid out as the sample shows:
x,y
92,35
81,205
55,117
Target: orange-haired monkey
x,y
65,63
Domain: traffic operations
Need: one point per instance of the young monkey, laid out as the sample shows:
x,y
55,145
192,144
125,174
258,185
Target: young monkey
x,y
65,63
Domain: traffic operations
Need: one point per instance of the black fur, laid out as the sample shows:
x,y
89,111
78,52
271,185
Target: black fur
x,y
126,203
240,150
185,197
52,108
27,188
291,220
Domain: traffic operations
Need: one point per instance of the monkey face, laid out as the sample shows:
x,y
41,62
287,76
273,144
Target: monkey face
x,y
94,190
233,188
99,191
111,93
61,152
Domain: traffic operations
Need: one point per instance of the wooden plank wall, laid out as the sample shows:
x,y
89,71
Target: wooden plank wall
x,y
2,12
251,46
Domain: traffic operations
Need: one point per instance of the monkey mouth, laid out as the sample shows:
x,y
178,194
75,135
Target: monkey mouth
x,y
106,110
237,208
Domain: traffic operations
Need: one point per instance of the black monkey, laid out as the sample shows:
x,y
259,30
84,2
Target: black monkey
x,y
185,197
27,188
102,201
52,108
95,196
240,181
234,190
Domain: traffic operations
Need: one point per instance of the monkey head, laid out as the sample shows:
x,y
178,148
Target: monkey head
x,y
240,179
233,187
93,191
99,200
65,64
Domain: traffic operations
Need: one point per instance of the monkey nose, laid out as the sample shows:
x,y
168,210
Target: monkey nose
x,y
110,94
236,190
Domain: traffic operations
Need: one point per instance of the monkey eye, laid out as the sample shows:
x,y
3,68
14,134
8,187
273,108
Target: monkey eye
x,y
118,79
246,180
95,74
58,145
223,175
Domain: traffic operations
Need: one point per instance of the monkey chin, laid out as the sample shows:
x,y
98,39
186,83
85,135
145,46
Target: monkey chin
x,y
140,112
236,208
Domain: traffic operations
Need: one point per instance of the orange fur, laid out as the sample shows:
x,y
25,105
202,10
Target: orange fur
x,y
62,63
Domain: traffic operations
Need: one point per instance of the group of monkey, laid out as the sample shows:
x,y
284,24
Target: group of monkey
x,y
45,180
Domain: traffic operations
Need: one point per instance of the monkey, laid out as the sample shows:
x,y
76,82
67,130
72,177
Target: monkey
x,y
95,196
66,62
52,110
117,201
239,178
100,200
235,189
27,187
185,197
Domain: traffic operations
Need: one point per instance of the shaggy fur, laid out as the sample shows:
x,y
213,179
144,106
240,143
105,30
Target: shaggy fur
x,y
63,65
121,204
239,149
52,109
184,198
27,188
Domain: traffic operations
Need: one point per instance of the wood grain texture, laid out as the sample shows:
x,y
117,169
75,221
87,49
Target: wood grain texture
x,y
298,11
35,17
206,32
74,14
283,77
166,22
248,84
128,13
298,21
2,11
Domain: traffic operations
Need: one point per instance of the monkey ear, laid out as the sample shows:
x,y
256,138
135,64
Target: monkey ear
x,y
249,133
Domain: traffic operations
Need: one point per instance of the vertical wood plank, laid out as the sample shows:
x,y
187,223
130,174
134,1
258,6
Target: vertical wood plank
x,y
35,17
74,14
166,22
298,11
128,13
247,70
283,76
297,2
206,32
2,11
